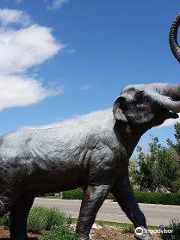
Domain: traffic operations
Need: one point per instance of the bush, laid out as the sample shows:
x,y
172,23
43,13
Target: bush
x,y
73,194
175,227
37,219
60,233
142,197
42,218
56,218
157,198
4,221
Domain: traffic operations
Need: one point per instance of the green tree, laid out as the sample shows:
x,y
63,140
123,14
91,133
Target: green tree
x,y
157,170
175,151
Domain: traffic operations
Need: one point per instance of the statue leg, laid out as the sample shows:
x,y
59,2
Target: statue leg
x,y
93,198
18,217
124,194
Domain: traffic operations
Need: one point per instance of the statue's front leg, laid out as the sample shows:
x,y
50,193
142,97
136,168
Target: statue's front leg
x,y
124,194
93,198
18,217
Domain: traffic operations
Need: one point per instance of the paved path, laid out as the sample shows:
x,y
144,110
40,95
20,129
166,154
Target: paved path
x,y
110,211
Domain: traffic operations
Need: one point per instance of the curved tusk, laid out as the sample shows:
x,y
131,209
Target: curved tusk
x,y
173,38
173,106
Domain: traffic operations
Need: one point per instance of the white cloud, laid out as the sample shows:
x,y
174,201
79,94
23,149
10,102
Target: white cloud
x,y
27,47
21,49
56,4
22,91
11,16
86,87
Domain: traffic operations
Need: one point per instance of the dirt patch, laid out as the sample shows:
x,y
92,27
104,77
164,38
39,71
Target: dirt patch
x,y
105,233
4,234
109,233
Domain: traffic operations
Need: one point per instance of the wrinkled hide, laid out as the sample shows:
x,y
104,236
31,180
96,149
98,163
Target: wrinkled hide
x,y
61,158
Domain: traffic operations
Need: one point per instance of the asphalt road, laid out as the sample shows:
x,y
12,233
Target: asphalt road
x,y
110,211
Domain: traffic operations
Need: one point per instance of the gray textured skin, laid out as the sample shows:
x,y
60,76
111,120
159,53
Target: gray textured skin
x,y
92,152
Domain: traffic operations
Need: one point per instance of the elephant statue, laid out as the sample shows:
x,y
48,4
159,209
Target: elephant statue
x,y
92,152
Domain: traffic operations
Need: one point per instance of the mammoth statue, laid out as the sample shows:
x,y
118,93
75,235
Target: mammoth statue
x,y
93,153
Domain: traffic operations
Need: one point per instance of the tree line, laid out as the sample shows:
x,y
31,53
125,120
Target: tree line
x,y
159,169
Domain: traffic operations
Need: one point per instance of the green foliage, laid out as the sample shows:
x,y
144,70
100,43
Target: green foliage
x,y
157,198
4,221
60,233
158,170
42,218
37,219
175,227
128,229
176,146
56,218
73,194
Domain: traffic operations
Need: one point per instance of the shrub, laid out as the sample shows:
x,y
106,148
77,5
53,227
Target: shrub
x,y
175,227
63,233
56,218
4,221
157,198
37,219
73,194
41,218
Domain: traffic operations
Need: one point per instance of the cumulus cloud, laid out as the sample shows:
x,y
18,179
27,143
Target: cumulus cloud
x,y
22,48
56,4
11,16
26,47
18,91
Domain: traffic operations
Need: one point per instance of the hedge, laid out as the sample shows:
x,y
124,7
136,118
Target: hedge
x,y
142,197
73,194
158,198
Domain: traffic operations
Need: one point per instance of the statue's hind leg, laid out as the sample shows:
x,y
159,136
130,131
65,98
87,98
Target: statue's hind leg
x,y
18,217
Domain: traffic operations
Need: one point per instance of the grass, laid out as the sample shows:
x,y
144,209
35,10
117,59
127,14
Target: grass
x,y
116,224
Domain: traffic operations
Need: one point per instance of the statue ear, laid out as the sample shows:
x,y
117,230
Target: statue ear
x,y
118,107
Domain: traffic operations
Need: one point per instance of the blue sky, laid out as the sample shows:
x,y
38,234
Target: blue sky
x,y
94,49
